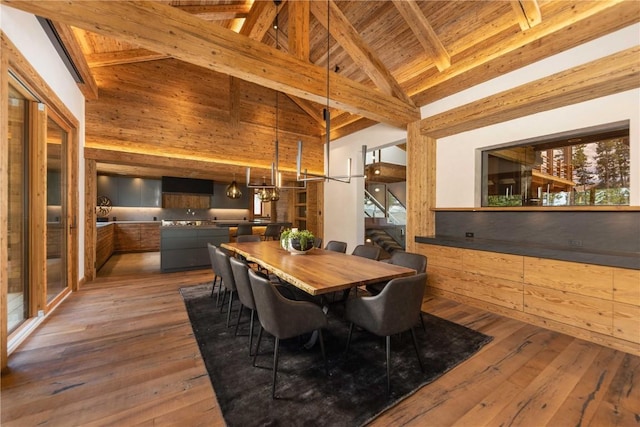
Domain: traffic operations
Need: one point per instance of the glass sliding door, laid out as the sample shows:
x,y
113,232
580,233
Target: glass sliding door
x,y
56,210
17,274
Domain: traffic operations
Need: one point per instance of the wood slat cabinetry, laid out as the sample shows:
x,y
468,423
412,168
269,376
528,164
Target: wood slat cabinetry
x,y
137,237
186,201
306,208
104,244
596,303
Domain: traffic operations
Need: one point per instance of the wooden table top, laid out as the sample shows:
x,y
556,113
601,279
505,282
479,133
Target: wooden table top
x,y
318,271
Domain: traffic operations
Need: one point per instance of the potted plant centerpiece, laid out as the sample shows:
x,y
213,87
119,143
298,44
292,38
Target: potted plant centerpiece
x,y
297,241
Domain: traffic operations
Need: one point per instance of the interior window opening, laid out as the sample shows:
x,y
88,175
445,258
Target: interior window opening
x,y
577,170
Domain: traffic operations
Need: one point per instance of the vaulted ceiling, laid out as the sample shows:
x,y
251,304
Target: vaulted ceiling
x,y
386,58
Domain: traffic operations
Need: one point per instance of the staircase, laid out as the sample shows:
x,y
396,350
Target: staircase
x,y
382,238
383,227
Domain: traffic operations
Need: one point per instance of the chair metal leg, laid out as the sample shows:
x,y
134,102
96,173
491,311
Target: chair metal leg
x,y
213,288
349,338
388,339
224,296
251,332
415,346
229,309
255,355
275,367
422,322
324,357
238,319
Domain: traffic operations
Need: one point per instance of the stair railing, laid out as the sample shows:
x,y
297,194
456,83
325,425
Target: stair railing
x,y
376,206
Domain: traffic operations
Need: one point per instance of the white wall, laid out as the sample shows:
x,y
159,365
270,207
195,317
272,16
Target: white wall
x,y
344,203
27,35
458,183
456,156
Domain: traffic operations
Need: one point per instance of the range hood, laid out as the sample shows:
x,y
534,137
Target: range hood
x,y
172,184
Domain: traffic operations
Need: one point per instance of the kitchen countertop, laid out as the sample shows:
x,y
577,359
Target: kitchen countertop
x,y
223,223
102,224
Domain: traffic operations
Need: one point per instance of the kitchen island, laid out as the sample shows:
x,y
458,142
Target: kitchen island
x,y
184,247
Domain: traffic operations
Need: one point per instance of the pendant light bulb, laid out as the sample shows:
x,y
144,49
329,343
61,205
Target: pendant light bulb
x,y
263,193
233,190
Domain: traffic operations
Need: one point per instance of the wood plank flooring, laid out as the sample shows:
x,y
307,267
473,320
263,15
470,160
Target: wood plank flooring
x,y
121,352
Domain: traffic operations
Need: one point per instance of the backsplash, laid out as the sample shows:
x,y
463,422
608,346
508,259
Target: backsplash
x,y
157,214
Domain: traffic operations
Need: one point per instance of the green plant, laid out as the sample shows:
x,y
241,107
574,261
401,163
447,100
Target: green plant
x,y
305,237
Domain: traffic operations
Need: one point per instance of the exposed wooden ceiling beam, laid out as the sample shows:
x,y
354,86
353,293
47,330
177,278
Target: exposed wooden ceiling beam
x,y
217,12
347,36
574,12
89,87
260,19
105,59
612,74
164,29
528,13
423,31
299,29
298,43
148,165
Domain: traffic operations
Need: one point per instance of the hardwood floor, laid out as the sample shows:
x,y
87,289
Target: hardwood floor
x,y
121,352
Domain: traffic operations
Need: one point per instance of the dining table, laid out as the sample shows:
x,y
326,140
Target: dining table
x,y
318,271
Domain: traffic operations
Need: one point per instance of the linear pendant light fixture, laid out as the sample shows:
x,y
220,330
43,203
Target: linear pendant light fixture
x,y
304,177
271,192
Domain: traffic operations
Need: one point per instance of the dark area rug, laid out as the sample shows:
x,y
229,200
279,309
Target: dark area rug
x,y
352,395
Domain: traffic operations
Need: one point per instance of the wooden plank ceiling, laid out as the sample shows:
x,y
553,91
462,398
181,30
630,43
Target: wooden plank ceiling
x,y
385,58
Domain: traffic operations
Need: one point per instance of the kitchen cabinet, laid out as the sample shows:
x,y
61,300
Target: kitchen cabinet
x,y
130,191
104,244
185,201
137,237
151,193
127,237
108,187
149,237
185,248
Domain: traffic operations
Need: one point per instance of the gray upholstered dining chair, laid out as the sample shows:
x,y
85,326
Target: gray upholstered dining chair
x,y
212,259
224,270
417,262
394,310
367,251
284,319
364,251
317,242
272,232
245,294
336,246
248,238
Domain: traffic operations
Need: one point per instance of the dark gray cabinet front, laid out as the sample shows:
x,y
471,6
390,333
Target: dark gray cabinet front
x,y
108,186
151,193
185,248
130,191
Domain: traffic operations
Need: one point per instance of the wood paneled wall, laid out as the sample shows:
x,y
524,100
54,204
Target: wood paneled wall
x,y
180,110
595,303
